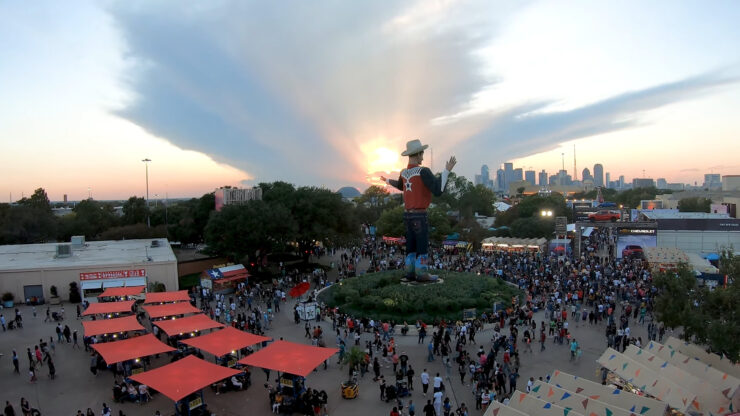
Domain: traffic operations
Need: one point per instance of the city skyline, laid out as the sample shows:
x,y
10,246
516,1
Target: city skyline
x,y
235,93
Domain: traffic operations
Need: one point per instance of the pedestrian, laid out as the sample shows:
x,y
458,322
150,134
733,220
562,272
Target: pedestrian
x,y
60,337
67,334
410,377
25,407
424,382
79,312
429,409
381,383
74,338
32,373
106,410
39,358
15,363
438,403
48,315
2,321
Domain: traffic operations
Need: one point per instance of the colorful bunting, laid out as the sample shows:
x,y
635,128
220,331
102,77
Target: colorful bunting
x,y
585,404
536,388
521,397
565,396
547,405
644,409
550,392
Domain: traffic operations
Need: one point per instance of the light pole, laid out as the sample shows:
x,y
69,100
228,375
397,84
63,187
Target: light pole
x,y
146,163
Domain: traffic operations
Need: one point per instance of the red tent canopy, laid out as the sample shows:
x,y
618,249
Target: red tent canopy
x,y
170,309
108,307
187,324
110,326
299,289
160,297
112,292
128,349
289,357
222,342
183,377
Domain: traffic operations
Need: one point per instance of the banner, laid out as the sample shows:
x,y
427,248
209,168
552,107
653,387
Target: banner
x,y
116,274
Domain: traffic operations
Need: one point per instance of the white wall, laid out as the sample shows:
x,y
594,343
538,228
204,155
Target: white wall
x,y
699,241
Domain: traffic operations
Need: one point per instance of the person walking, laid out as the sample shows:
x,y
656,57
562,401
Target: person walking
x,y
15,363
424,382
410,377
74,339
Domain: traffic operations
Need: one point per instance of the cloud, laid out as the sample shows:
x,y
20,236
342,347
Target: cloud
x,y
294,90
306,91
528,129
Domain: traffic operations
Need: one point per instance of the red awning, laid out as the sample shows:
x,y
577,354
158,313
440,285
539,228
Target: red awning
x,y
289,357
187,324
129,349
160,297
183,377
170,309
111,326
108,307
113,292
222,342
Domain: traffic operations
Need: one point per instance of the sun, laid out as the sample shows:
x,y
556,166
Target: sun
x,y
382,159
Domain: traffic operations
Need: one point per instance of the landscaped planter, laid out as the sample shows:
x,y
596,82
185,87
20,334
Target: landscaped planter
x,y
8,304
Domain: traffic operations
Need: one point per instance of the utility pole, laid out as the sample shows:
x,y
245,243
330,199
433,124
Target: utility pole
x,y
146,163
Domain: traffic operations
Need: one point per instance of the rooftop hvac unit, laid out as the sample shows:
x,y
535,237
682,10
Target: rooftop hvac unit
x,y
155,243
78,241
63,250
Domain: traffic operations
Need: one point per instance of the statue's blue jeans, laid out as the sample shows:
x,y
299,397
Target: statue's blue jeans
x,y
417,244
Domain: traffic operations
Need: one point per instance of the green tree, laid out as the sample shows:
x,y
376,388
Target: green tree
x,y
390,222
371,204
674,305
88,218
29,221
476,199
531,206
694,204
135,211
532,227
239,231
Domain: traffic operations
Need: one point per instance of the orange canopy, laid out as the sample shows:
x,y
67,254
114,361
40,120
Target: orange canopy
x,y
222,342
183,377
289,357
192,323
128,349
170,309
108,307
113,292
160,297
110,326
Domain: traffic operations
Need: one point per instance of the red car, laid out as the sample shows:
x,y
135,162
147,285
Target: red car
x,y
604,216
632,251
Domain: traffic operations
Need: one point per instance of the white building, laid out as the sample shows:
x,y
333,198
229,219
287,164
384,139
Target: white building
x,y
236,196
29,270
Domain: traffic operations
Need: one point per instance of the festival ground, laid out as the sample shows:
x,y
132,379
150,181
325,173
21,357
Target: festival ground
x,y
76,388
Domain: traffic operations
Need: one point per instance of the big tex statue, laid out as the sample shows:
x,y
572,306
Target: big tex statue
x,y
418,184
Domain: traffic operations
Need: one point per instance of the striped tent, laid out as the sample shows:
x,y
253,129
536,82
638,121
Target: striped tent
x,y
527,403
708,399
640,405
647,380
726,383
567,399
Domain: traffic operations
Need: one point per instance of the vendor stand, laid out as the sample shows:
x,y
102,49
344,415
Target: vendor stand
x,y
170,309
109,309
115,327
166,297
293,363
120,293
132,349
183,381
224,279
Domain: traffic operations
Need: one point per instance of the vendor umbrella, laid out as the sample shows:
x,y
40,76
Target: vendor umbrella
x,y
289,357
183,377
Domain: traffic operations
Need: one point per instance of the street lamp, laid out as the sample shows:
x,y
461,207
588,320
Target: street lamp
x,y
146,163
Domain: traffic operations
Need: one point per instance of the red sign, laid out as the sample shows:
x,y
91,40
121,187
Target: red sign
x,y
116,274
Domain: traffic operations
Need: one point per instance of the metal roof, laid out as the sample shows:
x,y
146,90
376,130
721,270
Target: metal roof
x,y
92,254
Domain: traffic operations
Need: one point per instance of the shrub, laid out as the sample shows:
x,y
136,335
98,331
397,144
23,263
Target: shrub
x,y
382,296
54,291
7,297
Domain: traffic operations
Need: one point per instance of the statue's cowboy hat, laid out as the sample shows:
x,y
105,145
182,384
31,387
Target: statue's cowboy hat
x,y
413,147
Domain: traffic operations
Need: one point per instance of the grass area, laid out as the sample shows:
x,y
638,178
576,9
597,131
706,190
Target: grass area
x,y
189,280
382,296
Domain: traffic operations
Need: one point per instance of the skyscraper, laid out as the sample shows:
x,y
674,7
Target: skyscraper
x,y
586,174
500,180
529,176
518,175
608,180
542,180
621,182
598,175
661,183
508,174
484,178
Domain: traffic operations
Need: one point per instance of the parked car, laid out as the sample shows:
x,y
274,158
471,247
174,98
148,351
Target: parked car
x,y
632,251
604,215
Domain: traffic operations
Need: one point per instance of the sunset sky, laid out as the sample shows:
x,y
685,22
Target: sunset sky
x,y
327,93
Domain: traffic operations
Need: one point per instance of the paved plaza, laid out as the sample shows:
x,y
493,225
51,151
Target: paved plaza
x,y
76,388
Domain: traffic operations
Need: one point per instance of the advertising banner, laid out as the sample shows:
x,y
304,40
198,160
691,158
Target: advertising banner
x,y
115,274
